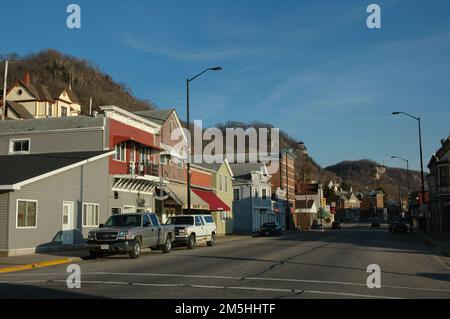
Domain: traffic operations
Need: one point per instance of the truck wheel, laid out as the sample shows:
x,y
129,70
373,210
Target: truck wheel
x,y
191,242
212,240
167,247
136,250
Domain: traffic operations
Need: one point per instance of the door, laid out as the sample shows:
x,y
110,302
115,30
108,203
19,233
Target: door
x,y
200,228
67,223
148,233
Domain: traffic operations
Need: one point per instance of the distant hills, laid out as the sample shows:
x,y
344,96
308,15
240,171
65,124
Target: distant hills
x,y
366,175
53,68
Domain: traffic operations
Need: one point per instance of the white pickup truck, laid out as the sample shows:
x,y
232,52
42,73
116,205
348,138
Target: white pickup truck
x,y
192,229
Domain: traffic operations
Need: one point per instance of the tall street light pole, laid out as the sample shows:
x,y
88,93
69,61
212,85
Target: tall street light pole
x,y
4,91
421,161
188,81
407,169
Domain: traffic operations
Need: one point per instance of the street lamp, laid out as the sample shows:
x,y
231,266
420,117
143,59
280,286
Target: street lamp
x,y
188,81
421,160
407,169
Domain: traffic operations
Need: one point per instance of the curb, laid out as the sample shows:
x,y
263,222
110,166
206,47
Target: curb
x,y
41,264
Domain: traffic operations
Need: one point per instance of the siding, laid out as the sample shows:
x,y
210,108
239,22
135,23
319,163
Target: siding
x,y
88,183
126,199
4,198
58,141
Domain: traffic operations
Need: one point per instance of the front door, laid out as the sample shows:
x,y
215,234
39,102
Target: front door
x,y
67,223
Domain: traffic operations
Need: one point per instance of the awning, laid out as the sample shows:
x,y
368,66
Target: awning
x,y
117,139
214,202
178,192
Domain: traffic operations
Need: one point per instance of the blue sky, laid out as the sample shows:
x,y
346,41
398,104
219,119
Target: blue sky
x,y
312,68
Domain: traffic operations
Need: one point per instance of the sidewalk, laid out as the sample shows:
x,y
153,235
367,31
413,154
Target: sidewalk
x,y
439,243
26,262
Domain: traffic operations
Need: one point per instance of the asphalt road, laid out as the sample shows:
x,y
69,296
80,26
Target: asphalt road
x,y
330,264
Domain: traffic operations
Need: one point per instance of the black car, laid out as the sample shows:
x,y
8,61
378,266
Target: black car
x,y
336,225
401,227
272,228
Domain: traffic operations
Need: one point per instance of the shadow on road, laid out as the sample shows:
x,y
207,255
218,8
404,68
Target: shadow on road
x,y
22,291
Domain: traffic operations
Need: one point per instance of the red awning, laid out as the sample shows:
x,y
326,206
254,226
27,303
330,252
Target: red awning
x,y
214,202
117,139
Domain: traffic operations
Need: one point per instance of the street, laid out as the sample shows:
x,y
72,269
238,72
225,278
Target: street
x,y
329,264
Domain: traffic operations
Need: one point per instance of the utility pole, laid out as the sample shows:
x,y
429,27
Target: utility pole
x,y
4,91
90,106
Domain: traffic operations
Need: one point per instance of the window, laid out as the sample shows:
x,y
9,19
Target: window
x,y
256,194
220,183
443,176
120,149
146,221
19,146
154,219
163,159
236,194
180,164
116,211
63,111
129,209
264,194
226,184
90,215
26,214
198,221
209,219
223,216
133,153
19,92
50,109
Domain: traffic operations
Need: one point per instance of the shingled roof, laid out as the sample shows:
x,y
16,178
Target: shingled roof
x,y
19,109
19,169
156,116
48,93
53,123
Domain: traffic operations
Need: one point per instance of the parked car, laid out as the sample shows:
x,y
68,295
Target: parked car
x,y
401,227
192,229
336,225
317,226
272,228
128,234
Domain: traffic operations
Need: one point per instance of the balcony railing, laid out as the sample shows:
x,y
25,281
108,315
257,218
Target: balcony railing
x,y
143,168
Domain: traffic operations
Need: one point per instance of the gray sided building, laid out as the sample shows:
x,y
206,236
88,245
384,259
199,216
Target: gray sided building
x,y
252,204
52,200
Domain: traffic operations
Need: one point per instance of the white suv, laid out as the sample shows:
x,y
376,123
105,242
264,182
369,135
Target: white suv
x,y
192,229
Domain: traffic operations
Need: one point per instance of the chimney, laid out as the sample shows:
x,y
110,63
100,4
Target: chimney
x,y
26,78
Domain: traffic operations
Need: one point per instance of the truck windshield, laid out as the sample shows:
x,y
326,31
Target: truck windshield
x,y
181,220
123,221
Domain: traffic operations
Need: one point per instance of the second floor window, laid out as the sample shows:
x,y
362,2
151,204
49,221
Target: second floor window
x,y
443,176
236,194
264,194
119,155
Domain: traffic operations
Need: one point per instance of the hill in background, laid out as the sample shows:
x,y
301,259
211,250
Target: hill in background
x,y
52,68
366,175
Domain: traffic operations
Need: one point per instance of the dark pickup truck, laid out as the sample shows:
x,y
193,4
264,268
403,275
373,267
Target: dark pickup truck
x,y
128,234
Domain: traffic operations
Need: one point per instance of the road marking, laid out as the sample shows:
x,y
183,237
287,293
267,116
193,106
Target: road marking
x,y
242,278
259,289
